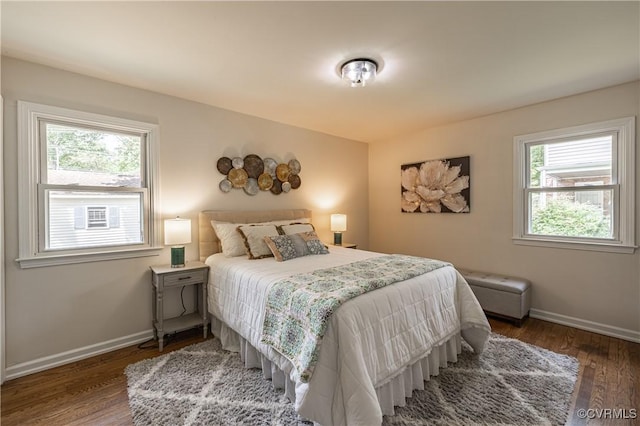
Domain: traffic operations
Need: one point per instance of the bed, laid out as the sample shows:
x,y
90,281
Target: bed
x,y
377,347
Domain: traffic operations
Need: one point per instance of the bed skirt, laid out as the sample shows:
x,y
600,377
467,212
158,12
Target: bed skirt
x,y
392,393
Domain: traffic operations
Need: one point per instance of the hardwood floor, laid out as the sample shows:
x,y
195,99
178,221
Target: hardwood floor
x,y
94,391
87,392
609,376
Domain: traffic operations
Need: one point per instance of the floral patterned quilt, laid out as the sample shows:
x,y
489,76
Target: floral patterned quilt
x,y
298,308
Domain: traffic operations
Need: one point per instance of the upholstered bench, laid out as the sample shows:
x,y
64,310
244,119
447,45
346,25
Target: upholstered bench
x,y
501,296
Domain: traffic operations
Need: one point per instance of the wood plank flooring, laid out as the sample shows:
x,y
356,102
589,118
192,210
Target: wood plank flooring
x,y
94,391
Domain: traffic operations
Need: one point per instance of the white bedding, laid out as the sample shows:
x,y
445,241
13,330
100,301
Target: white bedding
x,y
370,339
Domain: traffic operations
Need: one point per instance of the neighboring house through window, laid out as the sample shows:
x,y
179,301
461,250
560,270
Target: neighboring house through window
x,y
574,187
88,186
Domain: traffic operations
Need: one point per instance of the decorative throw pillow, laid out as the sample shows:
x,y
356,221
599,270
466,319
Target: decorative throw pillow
x,y
287,247
314,244
296,228
253,236
230,239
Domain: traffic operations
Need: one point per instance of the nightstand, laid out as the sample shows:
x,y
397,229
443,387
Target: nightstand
x,y
347,245
163,277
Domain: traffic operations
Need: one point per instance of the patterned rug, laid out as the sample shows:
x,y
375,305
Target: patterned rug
x,y
510,383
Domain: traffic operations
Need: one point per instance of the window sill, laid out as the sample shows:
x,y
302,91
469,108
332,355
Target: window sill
x,y
575,245
44,260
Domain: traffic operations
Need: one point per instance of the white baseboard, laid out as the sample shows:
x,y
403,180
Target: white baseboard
x,y
595,327
52,361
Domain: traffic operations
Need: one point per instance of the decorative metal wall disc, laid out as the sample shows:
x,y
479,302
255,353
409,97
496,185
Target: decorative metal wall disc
x,y
237,163
265,181
225,185
224,165
294,166
253,165
251,187
238,177
282,172
277,187
270,166
295,182
286,186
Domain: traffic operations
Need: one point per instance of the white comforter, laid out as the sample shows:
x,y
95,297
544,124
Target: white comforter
x,y
369,340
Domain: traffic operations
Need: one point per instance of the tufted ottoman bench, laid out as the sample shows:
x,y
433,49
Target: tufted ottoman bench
x,y
501,296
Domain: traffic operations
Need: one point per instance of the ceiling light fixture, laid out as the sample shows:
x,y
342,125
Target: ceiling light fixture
x,y
359,72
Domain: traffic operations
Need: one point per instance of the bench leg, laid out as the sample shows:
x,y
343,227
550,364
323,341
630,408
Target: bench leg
x,y
519,322
515,321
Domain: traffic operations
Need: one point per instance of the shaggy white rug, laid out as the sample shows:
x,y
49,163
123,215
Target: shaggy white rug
x,y
510,383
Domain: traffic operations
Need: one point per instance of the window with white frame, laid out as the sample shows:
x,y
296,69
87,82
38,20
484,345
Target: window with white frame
x,y
574,187
97,217
87,186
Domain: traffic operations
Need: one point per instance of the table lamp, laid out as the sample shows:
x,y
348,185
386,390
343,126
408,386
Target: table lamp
x,y
338,226
177,233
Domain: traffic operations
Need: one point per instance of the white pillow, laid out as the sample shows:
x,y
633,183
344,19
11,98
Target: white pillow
x,y
232,242
296,228
253,236
230,239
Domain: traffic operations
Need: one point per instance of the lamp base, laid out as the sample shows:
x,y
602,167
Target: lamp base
x,y
337,238
177,257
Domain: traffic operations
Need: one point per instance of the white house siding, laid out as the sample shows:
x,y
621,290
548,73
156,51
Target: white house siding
x,y
582,152
64,231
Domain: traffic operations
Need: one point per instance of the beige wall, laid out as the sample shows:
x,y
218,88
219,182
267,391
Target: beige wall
x,y
591,286
66,308
69,308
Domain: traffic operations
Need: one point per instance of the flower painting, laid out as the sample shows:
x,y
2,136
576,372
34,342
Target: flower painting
x,y
436,186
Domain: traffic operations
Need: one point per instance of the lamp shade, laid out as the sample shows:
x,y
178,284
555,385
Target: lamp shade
x,y
338,222
177,231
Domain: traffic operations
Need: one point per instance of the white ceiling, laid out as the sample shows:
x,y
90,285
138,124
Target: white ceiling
x,y
440,61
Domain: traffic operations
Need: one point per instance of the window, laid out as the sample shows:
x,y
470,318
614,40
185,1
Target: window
x,y
97,217
87,186
574,188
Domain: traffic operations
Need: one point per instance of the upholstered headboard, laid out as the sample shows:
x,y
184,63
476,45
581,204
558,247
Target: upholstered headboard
x,y
208,241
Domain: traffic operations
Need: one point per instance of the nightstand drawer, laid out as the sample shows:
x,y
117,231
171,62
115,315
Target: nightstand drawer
x,y
184,278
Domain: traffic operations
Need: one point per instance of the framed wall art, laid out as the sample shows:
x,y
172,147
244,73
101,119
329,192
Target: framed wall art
x,y
436,186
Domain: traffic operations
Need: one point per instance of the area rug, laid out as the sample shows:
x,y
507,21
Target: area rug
x,y
511,383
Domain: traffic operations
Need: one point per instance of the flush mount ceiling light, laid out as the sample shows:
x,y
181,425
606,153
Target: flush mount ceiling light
x,y
359,72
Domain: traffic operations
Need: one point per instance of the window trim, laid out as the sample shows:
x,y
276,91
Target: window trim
x,y
29,251
624,175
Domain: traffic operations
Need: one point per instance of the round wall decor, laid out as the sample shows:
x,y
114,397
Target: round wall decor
x,y
254,174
